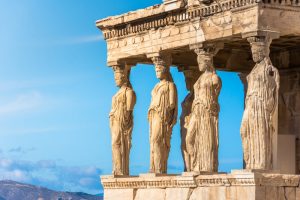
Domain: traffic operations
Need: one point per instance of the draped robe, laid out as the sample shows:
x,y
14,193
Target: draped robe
x,y
259,123
202,135
121,124
162,117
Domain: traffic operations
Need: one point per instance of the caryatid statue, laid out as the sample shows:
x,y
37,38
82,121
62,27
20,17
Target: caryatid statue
x,y
191,76
162,115
121,120
259,126
202,134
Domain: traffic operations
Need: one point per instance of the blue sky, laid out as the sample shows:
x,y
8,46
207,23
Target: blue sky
x,y
56,90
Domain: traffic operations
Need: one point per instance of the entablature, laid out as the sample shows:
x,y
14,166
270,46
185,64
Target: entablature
x,y
134,35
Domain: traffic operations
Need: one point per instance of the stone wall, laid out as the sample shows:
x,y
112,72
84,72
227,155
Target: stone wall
x,y
239,185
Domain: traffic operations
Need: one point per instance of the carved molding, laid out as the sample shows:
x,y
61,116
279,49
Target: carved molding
x,y
183,15
247,179
173,17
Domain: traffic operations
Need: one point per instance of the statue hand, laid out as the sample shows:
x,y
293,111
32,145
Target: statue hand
x,y
187,121
190,149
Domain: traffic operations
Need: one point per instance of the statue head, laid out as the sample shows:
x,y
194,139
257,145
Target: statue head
x,y
205,61
121,75
260,48
162,71
162,68
191,76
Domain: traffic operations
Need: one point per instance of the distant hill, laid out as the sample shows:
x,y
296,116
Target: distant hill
x,y
10,190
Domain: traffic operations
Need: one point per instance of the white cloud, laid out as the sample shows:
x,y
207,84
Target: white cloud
x,y
48,173
22,103
78,40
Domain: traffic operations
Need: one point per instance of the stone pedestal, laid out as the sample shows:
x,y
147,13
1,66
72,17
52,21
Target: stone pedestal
x,y
238,185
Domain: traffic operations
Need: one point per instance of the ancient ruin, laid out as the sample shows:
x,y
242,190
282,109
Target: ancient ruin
x,y
162,115
258,39
121,120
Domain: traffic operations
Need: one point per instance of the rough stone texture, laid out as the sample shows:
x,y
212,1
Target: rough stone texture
x,y
289,107
113,194
236,186
132,35
247,193
297,193
121,120
162,115
259,123
178,193
191,75
150,194
271,192
290,193
176,28
202,138
286,153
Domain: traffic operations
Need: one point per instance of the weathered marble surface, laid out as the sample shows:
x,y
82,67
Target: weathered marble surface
x,y
202,138
121,120
162,115
260,119
131,35
245,185
191,75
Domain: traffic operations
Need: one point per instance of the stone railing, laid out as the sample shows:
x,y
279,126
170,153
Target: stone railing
x,y
186,14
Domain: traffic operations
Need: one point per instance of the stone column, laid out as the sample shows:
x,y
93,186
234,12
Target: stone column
x,y
259,123
162,115
191,75
202,138
121,120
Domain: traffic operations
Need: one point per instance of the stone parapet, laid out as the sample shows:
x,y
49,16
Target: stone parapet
x,y
246,185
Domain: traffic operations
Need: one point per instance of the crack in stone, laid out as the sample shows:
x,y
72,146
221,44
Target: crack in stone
x,y
134,193
284,193
189,193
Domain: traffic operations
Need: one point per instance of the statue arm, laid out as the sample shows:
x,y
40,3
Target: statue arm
x,y
172,96
130,100
217,84
173,103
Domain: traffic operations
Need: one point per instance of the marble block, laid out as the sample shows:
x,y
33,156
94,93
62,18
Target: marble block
x,y
245,185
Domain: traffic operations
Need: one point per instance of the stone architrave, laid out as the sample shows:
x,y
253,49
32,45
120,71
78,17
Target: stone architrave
x,y
121,120
162,115
259,123
203,134
191,76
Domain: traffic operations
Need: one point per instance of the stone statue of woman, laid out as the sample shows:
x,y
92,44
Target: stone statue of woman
x,y
202,136
191,75
162,116
259,124
121,120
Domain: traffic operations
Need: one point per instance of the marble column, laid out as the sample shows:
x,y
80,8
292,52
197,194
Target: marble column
x,y
162,115
202,138
259,123
191,75
121,120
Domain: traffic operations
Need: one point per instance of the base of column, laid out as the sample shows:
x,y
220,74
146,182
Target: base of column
x,y
242,185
